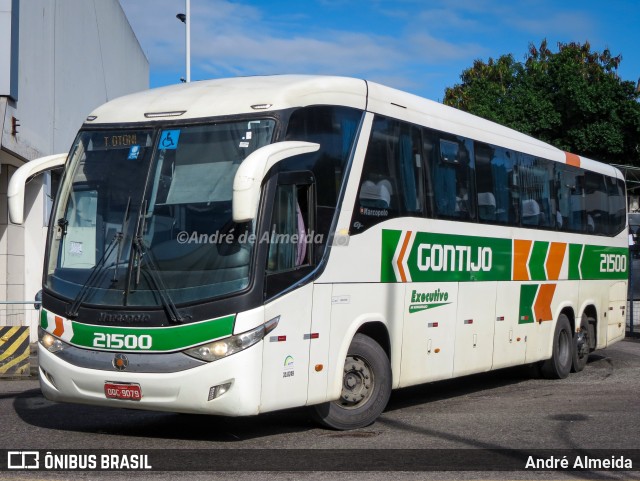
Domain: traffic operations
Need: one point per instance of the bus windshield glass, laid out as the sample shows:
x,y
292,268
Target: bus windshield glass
x,y
142,214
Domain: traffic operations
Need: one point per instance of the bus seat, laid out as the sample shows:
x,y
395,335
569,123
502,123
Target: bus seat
x,y
530,212
376,194
487,206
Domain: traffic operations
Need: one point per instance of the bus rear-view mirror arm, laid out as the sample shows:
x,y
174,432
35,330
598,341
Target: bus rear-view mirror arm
x,y
250,174
15,191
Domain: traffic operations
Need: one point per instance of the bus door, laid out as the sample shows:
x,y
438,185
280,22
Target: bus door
x,y
289,297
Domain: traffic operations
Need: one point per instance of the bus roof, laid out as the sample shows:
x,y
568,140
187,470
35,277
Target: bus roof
x,y
232,96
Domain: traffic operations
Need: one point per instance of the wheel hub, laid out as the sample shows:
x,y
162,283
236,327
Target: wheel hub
x,y
582,343
357,382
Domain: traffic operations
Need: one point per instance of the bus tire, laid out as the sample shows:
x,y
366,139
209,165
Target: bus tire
x,y
580,351
559,366
366,387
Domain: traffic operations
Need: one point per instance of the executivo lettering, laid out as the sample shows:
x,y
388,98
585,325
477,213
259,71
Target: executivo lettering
x,y
421,301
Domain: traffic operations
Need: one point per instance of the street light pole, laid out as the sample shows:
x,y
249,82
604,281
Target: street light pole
x,y
186,19
188,29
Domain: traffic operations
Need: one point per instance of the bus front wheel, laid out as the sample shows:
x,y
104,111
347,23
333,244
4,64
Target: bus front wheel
x,y
366,387
559,366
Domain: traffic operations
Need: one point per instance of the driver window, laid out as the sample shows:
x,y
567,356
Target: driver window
x,y
289,242
292,235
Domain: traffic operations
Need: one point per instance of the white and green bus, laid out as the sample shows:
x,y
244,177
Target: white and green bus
x,y
245,245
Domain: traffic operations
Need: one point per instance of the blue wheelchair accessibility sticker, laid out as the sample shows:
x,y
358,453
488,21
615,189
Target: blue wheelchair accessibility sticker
x,y
169,139
134,152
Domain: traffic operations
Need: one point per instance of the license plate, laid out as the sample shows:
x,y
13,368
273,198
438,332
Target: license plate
x,y
131,392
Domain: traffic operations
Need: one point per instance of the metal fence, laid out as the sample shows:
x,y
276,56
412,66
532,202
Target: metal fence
x,y
633,298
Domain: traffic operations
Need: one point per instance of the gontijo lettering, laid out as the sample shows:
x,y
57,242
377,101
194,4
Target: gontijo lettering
x,y
454,258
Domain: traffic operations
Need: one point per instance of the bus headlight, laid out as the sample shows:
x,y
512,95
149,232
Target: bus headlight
x,y
49,342
213,351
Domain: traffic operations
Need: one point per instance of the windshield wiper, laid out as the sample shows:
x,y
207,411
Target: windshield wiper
x,y
144,252
72,312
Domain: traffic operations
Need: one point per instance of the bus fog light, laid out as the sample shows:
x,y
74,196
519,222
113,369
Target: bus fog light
x,y
219,390
49,377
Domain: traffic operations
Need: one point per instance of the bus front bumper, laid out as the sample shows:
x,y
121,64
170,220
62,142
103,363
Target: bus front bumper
x,y
188,391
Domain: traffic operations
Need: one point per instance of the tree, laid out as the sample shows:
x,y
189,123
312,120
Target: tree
x,y
572,99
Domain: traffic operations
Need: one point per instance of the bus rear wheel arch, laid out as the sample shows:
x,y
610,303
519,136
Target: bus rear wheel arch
x,y
366,387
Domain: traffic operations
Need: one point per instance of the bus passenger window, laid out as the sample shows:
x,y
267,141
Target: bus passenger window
x,y
535,177
452,180
596,203
570,185
498,197
617,205
392,179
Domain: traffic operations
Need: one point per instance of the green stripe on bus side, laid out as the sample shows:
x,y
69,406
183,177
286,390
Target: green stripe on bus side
x,y
461,259
527,298
390,240
537,261
464,258
575,252
600,262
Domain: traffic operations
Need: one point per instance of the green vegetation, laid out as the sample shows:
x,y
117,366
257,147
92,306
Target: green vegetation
x,y
572,99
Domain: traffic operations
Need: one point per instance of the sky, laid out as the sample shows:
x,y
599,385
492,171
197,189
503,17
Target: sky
x,y
420,46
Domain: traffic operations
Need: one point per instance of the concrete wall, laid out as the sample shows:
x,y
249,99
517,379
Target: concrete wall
x,y
73,55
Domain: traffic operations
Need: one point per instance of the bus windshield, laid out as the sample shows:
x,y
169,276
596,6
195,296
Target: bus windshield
x,y
142,214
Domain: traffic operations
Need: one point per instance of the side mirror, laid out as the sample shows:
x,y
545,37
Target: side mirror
x,y
250,174
15,191
38,300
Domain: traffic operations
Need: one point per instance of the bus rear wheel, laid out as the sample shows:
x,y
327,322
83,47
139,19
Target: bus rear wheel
x,y
366,387
580,350
559,366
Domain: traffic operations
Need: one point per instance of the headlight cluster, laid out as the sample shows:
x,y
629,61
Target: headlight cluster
x,y
50,343
213,351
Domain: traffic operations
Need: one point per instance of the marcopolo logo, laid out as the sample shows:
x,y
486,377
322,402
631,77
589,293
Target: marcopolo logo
x,y
421,301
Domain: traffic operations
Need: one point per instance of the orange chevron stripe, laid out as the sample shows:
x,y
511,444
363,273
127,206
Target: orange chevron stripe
x,y
405,243
59,327
521,249
542,306
572,159
555,259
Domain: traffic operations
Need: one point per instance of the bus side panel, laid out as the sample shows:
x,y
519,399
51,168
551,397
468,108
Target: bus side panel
x,y
319,347
616,320
285,359
353,305
546,309
509,347
429,332
475,324
596,293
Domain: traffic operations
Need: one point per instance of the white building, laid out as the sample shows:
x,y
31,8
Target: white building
x,y
59,59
